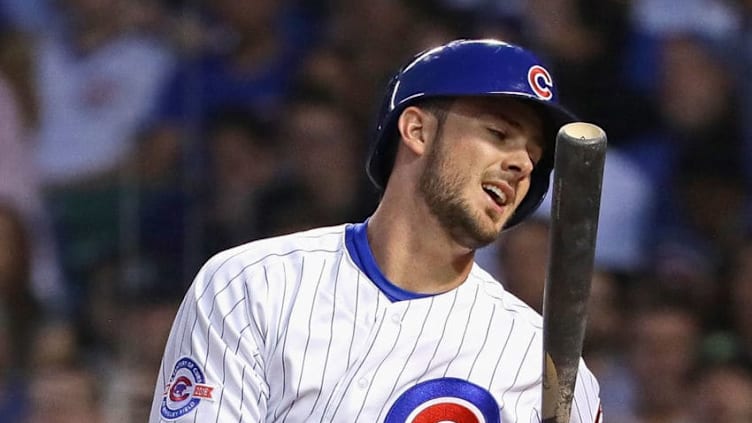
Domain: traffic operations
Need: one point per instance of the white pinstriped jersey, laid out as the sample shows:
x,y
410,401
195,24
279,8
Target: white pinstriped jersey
x,y
305,328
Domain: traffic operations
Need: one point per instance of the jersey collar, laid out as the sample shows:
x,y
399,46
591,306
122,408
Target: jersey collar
x,y
356,242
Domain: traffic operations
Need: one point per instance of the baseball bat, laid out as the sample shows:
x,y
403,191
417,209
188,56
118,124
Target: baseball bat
x,y
575,203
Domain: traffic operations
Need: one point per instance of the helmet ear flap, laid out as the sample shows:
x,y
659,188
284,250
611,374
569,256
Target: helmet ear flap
x,y
382,152
539,183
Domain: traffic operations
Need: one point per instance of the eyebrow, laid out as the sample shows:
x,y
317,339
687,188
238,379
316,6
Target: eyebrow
x,y
509,120
535,136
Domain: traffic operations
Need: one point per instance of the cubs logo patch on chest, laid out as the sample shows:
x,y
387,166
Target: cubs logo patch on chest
x,y
444,400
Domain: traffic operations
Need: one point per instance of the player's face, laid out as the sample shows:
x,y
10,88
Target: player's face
x,y
478,168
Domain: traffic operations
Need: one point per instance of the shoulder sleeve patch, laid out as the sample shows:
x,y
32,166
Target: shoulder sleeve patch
x,y
186,389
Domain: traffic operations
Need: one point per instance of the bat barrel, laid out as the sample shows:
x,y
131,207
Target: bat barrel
x,y
578,175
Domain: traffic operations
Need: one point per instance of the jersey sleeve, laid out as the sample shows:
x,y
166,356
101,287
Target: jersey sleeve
x,y
586,405
213,365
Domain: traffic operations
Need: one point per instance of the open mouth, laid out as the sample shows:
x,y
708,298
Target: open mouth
x,y
496,194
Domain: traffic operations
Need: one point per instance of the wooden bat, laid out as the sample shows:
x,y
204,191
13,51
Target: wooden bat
x,y
577,180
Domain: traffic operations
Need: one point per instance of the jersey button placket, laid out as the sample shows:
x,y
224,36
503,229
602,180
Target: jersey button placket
x,y
354,377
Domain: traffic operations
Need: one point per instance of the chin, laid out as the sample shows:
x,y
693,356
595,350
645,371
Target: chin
x,y
498,220
482,233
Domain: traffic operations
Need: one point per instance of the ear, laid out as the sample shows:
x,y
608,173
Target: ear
x,y
417,129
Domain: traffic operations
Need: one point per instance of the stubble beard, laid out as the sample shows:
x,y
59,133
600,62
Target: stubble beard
x,y
441,187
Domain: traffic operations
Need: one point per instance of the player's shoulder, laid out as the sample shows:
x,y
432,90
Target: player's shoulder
x,y
517,309
587,396
525,316
323,240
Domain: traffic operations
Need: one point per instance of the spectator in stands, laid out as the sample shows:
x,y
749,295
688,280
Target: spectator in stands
x,y
697,145
244,160
67,395
27,15
741,46
624,220
321,145
141,322
97,82
522,261
13,389
129,394
739,301
17,303
245,58
19,179
373,54
663,348
584,41
722,392
605,343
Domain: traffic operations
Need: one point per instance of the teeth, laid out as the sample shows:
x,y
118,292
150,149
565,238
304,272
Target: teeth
x,y
500,197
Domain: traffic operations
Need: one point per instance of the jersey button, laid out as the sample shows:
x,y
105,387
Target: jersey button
x,y
363,382
396,318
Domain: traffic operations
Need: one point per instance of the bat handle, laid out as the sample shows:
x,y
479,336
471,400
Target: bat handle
x,y
575,204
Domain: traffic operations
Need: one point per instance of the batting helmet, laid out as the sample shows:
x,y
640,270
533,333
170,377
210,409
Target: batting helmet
x,y
471,68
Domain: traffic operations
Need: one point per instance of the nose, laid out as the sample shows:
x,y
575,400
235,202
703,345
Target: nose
x,y
518,162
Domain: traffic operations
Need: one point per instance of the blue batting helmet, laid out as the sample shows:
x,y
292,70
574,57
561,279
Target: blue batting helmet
x,y
472,68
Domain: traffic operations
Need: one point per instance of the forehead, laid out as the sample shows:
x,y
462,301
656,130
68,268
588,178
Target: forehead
x,y
502,107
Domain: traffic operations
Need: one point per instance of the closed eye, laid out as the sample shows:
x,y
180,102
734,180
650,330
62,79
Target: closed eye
x,y
498,133
534,152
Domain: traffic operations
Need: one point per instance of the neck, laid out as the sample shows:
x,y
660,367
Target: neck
x,y
413,250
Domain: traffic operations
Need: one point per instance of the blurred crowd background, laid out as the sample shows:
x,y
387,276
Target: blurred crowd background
x,y
139,137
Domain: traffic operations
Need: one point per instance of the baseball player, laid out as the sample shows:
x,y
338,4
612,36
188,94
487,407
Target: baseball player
x,y
390,320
